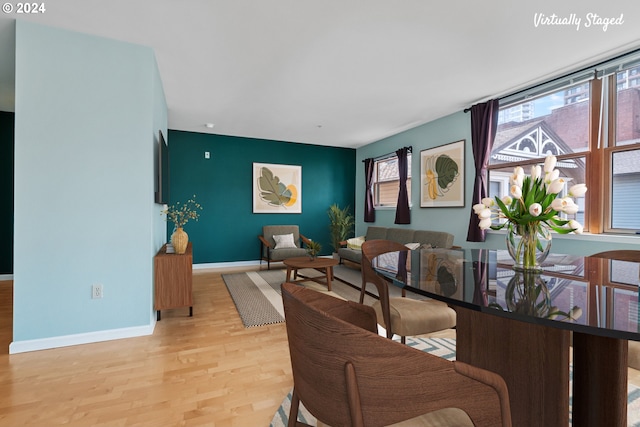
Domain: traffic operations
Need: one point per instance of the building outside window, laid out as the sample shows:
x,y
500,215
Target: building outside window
x,y
566,122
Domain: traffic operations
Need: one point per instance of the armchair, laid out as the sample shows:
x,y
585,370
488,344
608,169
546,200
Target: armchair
x,y
286,246
346,374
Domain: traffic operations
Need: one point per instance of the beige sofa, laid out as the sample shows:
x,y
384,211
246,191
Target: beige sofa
x,y
436,239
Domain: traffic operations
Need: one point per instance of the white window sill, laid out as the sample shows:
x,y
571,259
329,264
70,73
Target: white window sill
x,y
608,238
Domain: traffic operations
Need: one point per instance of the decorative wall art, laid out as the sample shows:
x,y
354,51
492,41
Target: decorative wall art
x,y
277,188
442,176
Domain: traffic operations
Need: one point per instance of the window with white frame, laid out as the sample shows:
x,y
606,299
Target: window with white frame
x,y
386,181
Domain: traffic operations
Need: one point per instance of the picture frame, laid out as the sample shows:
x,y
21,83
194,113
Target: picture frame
x,y
277,188
442,176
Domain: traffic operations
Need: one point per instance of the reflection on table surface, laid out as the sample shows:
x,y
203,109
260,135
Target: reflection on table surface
x,y
594,295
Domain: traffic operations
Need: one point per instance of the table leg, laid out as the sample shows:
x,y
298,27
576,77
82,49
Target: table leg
x,y
532,359
329,272
599,380
288,274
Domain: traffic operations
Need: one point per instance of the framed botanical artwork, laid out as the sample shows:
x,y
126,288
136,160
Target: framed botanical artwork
x,y
442,176
277,188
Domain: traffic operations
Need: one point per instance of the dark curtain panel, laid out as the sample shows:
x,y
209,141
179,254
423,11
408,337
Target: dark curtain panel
x,y
403,214
369,211
484,122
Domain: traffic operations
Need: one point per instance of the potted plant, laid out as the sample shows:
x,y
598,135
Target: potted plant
x,y
313,249
180,214
340,225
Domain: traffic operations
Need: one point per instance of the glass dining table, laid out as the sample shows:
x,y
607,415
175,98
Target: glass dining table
x,y
526,325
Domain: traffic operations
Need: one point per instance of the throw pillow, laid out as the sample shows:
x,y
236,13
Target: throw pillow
x,y
355,243
284,241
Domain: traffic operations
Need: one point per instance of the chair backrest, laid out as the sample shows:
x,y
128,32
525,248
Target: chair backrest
x,y
345,374
268,231
620,254
370,250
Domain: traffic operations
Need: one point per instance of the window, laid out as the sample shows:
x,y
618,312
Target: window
x,y
566,120
386,181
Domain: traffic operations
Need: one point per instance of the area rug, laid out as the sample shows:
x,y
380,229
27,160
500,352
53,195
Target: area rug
x,y
445,348
257,297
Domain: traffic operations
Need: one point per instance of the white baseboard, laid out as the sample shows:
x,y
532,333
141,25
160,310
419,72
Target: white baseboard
x,y
77,339
6,277
226,264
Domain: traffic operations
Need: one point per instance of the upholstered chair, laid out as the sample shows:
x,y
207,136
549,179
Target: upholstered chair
x,y
279,242
400,315
345,374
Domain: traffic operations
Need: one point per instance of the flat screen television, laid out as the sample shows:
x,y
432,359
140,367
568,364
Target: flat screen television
x,y
162,171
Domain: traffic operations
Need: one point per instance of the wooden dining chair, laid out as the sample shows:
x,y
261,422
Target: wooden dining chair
x,y
634,256
345,374
400,315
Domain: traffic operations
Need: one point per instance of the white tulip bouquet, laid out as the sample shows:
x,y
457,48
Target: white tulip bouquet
x,y
533,202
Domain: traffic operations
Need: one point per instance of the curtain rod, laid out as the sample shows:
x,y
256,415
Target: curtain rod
x,y
581,70
390,155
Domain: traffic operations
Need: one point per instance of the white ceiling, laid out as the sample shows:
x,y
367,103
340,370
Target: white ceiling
x,y
338,73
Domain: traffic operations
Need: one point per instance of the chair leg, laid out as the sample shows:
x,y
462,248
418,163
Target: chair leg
x,y
363,288
293,412
403,340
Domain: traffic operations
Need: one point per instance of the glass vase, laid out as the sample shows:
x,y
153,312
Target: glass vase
x,y
528,245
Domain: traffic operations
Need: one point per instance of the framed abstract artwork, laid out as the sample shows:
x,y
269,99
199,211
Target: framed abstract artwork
x,y
442,176
277,188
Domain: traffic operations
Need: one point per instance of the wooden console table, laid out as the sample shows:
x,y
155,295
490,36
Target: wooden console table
x,y
173,280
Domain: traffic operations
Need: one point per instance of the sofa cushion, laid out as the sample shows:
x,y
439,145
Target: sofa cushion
x,y
284,241
355,243
401,235
376,233
437,239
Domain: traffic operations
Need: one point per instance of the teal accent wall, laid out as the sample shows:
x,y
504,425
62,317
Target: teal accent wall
x,y
87,114
227,230
6,192
443,131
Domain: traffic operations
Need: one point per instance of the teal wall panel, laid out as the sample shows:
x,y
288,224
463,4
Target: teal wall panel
x,y
6,191
227,230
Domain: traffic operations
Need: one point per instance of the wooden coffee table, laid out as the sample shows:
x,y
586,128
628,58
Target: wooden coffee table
x,y
323,265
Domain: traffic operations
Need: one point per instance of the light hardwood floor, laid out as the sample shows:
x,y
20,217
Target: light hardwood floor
x,y
205,370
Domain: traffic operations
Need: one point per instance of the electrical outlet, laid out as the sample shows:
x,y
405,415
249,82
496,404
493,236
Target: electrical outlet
x,y
96,291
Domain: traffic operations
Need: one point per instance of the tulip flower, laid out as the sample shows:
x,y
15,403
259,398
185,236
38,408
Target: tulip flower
x,y
558,204
570,207
556,186
516,179
577,190
536,172
484,223
575,226
549,177
507,200
488,202
478,207
550,163
485,213
535,209
516,191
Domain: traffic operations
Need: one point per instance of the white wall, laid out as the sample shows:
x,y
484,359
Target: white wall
x,y
88,111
